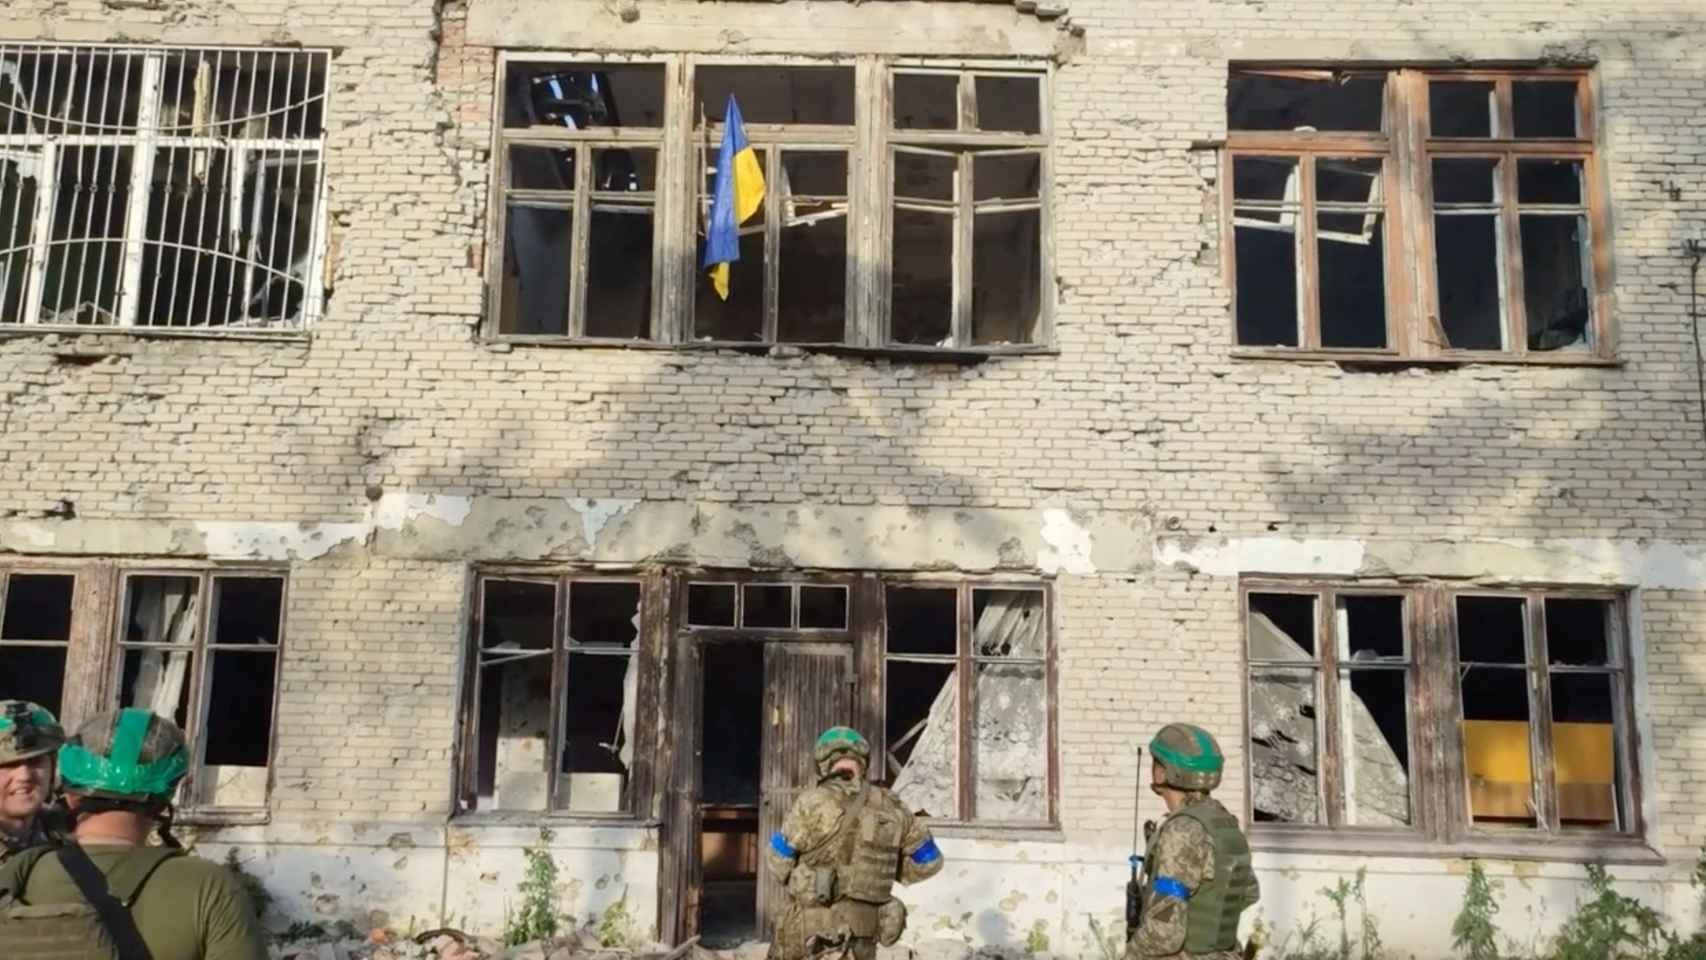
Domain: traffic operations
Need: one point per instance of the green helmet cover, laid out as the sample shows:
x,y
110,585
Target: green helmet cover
x,y
27,730
121,773
837,742
1189,755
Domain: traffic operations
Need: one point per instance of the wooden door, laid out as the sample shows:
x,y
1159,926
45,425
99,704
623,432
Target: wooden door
x,y
807,689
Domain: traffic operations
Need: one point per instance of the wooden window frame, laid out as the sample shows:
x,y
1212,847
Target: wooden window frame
x,y
1405,143
95,661
965,662
1439,785
683,142
201,680
640,787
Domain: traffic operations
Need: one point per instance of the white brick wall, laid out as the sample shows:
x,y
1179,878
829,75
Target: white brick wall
x,y
1141,413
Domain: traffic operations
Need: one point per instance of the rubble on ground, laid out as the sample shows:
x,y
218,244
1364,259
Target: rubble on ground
x,y
580,945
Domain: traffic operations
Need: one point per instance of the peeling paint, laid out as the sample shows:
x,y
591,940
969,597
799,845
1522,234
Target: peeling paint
x,y
393,510
596,515
1066,545
1231,556
276,541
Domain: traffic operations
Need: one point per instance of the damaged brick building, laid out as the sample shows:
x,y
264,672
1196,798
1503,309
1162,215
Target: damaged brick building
x,y
1319,373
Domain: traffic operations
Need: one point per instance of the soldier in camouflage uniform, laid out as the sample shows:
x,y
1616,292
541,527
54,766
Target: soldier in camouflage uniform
x,y
1198,861
838,854
29,737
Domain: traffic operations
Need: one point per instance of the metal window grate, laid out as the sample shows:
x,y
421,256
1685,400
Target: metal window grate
x,y
161,187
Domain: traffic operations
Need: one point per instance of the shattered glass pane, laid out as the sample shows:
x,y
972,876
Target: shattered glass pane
x,y
1587,755
1351,260
158,679
604,613
1010,740
921,703
1555,267
1285,782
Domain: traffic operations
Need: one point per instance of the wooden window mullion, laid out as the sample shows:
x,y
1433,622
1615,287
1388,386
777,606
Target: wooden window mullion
x,y
1451,796
1309,256
559,691
968,703
1330,745
772,240
579,230
1540,715
1423,332
1516,306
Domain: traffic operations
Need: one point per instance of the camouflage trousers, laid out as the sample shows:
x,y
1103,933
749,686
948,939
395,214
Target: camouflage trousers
x,y
810,932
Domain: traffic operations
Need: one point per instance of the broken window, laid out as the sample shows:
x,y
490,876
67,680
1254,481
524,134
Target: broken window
x,y
35,636
203,649
1505,176
990,645
1336,688
790,283
939,242
767,606
967,179
555,695
161,187
580,145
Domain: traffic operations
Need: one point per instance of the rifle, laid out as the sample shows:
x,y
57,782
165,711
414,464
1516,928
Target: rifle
x,y
1134,886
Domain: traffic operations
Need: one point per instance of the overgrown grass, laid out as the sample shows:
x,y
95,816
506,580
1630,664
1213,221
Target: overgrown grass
x,y
537,917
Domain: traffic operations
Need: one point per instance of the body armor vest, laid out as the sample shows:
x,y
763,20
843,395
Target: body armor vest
x,y
870,838
1211,914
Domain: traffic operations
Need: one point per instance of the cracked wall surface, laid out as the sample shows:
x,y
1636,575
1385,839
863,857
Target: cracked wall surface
x,y
1141,465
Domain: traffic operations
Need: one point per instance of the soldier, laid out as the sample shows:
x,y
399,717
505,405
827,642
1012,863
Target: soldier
x,y
29,735
838,854
108,893
1198,861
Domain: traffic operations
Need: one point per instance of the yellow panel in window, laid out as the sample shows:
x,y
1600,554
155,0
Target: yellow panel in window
x,y
1496,750
1583,752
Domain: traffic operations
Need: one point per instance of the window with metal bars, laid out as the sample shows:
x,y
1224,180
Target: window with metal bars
x,y
161,187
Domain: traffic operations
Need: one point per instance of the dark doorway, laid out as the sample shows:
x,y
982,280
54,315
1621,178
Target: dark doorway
x,y
733,739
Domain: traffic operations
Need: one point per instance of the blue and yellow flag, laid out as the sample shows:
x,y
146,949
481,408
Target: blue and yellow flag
x,y
736,196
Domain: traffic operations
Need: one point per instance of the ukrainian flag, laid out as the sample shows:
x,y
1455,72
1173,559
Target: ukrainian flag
x,y
737,194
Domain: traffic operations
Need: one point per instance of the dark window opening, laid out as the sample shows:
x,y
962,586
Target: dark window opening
x,y
1461,108
38,607
598,747
1492,630
921,697
537,264
1545,108
922,620
926,101
519,614
583,96
1009,104
1578,632
711,604
823,608
767,606
1282,626
604,612
922,278
733,744
776,94
1006,277
33,673
1327,103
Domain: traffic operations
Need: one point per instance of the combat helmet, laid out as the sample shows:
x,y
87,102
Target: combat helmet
x,y
27,730
126,755
839,742
1189,757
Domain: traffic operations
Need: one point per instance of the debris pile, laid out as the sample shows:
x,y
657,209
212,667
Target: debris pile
x,y
449,944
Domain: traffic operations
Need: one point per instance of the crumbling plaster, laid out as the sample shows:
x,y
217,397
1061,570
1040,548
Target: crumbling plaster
x,y
1650,564
1051,540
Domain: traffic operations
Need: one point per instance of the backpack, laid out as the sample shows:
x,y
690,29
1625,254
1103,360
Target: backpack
x,y
98,927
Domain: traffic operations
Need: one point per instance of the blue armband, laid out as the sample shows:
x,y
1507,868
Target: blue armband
x,y
779,844
927,853
1168,887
